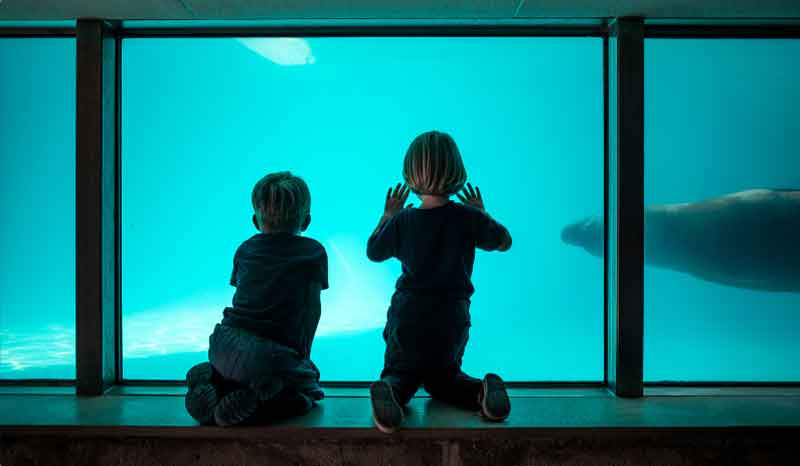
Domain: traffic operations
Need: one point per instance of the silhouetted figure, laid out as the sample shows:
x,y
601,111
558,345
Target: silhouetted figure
x,y
428,321
260,367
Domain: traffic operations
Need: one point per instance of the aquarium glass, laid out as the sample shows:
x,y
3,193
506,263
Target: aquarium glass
x,y
37,201
204,119
722,294
613,201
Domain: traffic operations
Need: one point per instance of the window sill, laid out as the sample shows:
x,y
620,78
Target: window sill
x,y
159,411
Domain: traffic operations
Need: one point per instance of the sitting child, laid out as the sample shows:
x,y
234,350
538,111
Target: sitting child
x,y
259,365
428,320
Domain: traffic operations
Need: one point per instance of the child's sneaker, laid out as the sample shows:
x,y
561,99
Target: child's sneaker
x,y
495,405
203,396
287,405
200,374
386,411
200,402
236,407
268,391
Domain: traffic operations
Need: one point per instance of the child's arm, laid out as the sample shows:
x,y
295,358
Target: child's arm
x,y
314,309
233,280
318,281
490,235
505,243
383,241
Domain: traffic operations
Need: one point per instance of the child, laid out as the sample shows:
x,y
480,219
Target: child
x,y
260,366
428,320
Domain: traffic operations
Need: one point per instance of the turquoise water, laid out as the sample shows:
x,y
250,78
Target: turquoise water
x,y
37,202
721,116
340,112
203,119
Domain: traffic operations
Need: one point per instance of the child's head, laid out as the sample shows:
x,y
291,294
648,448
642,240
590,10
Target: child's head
x,y
282,203
433,165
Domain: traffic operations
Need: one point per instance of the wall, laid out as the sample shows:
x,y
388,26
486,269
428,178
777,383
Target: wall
x,y
676,448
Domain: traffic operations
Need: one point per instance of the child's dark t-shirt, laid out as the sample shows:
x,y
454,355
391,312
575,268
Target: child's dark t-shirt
x,y
272,274
436,247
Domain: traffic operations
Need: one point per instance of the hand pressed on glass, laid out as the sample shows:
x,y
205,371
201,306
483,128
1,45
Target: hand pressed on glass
x,y
395,199
471,197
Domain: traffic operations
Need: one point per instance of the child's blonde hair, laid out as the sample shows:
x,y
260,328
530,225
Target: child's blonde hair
x,y
282,202
433,165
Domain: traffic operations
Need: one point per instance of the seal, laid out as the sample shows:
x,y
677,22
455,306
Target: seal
x,y
748,239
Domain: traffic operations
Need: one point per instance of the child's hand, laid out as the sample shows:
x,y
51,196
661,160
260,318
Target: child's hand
x,y
395,199
471,197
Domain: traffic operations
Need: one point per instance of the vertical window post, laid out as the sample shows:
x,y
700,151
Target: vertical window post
x,y
95,208
625,254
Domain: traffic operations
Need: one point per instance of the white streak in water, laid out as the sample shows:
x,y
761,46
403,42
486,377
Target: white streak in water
x,y
352,304
286,51
53,346
356,302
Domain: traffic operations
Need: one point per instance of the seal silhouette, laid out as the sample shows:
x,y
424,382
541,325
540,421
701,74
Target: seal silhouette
x,y
748,239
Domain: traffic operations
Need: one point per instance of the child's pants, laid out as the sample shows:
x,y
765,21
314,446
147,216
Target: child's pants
x,y
425,340
247,360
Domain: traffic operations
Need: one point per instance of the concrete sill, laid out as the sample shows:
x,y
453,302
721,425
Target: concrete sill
x,y
345,413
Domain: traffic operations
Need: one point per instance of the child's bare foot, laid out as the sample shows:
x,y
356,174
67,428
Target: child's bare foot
x,y
386,411
495,405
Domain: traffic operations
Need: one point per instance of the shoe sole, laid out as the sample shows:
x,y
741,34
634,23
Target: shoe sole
x,y
267,392
384,402
199,374
200,402
236,408
495,405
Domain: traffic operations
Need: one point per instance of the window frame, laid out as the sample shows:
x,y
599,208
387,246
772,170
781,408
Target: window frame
x,y
590,29
87,356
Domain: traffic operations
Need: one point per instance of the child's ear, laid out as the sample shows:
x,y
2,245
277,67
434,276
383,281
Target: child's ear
x,y
306,223
255,222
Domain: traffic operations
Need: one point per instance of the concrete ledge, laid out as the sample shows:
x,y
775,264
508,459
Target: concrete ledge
x,y
586,448
139,411
138,426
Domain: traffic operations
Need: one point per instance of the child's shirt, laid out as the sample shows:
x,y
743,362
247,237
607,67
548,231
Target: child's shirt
x,y
272,274
436,247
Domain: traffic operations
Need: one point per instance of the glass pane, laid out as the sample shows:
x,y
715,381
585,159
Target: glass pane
x,y
611,262
722,138
37,199
203,119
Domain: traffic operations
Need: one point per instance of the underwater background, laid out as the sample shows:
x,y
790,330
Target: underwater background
x,y
721,116
204,119
37,204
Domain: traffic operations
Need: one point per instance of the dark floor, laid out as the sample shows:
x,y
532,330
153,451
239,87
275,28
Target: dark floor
x,y
148,425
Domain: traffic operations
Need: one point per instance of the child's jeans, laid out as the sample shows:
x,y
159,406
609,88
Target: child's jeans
x,y
247,360
425,340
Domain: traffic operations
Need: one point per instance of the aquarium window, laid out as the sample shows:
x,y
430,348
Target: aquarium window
x,y
219,113
722,162
37,201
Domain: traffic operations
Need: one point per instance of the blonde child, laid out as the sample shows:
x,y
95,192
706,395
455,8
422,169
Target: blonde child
x,y
428,320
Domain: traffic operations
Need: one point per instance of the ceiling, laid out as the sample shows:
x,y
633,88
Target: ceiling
x,y
392,9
